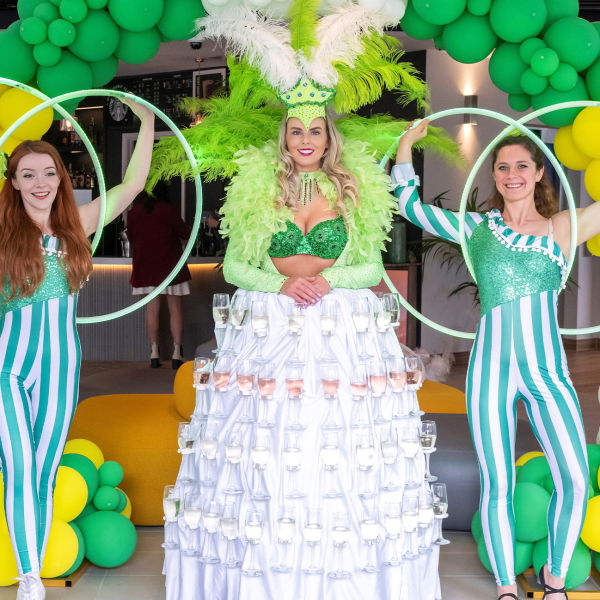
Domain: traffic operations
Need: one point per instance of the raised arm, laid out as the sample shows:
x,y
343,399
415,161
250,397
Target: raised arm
x,y
120,197
437,221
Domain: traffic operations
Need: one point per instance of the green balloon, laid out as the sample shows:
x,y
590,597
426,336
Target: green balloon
x,y
557,9
122,501
515,20
413,25
593,453
469,39
110,539
46,11
16,55
80,551
531,507
61,33
528,48
522,556
575,40
111,473
25,8
68,75
103,71
534,470
438,40
476,529
177,21
74,11
86,512
97,3
439,12
97,37
544,62
136,15
47,54
33,30
138,46
506,67
566,116
548,484
70,106
579,567
479,7
86,468
520,103
533,84
596,559
106,498
564,78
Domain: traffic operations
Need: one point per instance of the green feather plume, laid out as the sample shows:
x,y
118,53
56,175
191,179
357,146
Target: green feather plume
x,y
303,25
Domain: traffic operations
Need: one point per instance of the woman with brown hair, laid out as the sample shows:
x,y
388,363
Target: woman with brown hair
x,y
45,259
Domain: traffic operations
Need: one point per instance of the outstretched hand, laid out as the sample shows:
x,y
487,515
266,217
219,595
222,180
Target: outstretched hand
x,y
411,136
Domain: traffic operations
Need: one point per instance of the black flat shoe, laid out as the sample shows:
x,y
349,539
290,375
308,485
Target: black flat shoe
x,y
154,363
509,595
176,363
549,589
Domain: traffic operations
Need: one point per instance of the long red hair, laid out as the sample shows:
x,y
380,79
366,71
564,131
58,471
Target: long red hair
x,y
21,261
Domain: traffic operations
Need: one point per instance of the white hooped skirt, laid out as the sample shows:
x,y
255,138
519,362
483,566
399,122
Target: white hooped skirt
x,y
361,491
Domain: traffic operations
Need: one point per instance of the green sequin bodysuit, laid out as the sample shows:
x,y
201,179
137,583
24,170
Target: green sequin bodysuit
x,y
522,271
326,239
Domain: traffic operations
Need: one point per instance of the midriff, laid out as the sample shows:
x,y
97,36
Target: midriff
x,y
301,265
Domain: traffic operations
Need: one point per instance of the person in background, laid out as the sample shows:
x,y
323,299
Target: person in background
x,y
155,230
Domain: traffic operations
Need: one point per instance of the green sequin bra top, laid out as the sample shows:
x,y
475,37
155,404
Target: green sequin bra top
x,y
326,239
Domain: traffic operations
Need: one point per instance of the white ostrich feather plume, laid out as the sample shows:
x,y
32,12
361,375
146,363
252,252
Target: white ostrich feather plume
x,y
339,39
263,42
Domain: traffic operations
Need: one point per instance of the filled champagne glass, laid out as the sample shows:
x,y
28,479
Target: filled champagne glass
x,y
396,368
292,461
260,326
245,377
369,531
211,518
285,529
340,534
389,456
365,460
294,381
233,456
425,518
330,381
378,384
295,317
410,522
440,510
392,302
328,322
427,436
221,380
383,319
359,387
361,316
220,310
392,522
330,457
253,531
266,389
238,314
230,531
410,446
260,454
202,370
171,508
192,516
313,533
209,446
187,433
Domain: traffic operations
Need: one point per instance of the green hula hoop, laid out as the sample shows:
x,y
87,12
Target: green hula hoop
x,y
190,155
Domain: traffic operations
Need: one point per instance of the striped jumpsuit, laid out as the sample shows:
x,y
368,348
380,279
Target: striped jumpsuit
x,y
517,353
39,379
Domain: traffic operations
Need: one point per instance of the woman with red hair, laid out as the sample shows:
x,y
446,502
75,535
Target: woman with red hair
x,y
45,259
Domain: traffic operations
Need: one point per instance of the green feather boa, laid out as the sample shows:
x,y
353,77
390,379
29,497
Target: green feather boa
x,y
251,215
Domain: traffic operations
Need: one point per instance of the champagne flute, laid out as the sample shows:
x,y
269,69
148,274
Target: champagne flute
x,y
330,381
427,436
365,459
410,447
360,317
253,530
440,510
369,531
187,434
328,320
230,531
359,387
295,316
233,456
260,454
415,372
294,381
245,381
171,508
340,534
220,310
378,382
389,455
209,445
396,368
260,326
330,456
238,313
211,518
292,460
192,515
392,522
392,302
221,379
313,533
202,371
266,389
383,318
286,530
425,518
410,521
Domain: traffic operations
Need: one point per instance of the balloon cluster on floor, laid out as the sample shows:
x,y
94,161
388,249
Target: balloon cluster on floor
x,y
533,490
543,53
91,517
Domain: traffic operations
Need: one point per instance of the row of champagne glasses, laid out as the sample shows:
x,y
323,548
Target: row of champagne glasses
x,y
401,528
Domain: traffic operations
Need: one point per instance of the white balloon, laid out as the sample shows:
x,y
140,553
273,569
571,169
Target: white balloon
x,y
394,9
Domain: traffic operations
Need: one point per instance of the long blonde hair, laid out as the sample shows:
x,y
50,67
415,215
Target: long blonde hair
x,y
344,181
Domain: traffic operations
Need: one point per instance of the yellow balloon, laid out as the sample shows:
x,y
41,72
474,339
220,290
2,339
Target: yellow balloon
x,y
592,179
13,104
586,131
183,389
567,152
70,494
126,512
61,551
527,457
10,144
593,245
8,564
87,448
590,534
4,88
